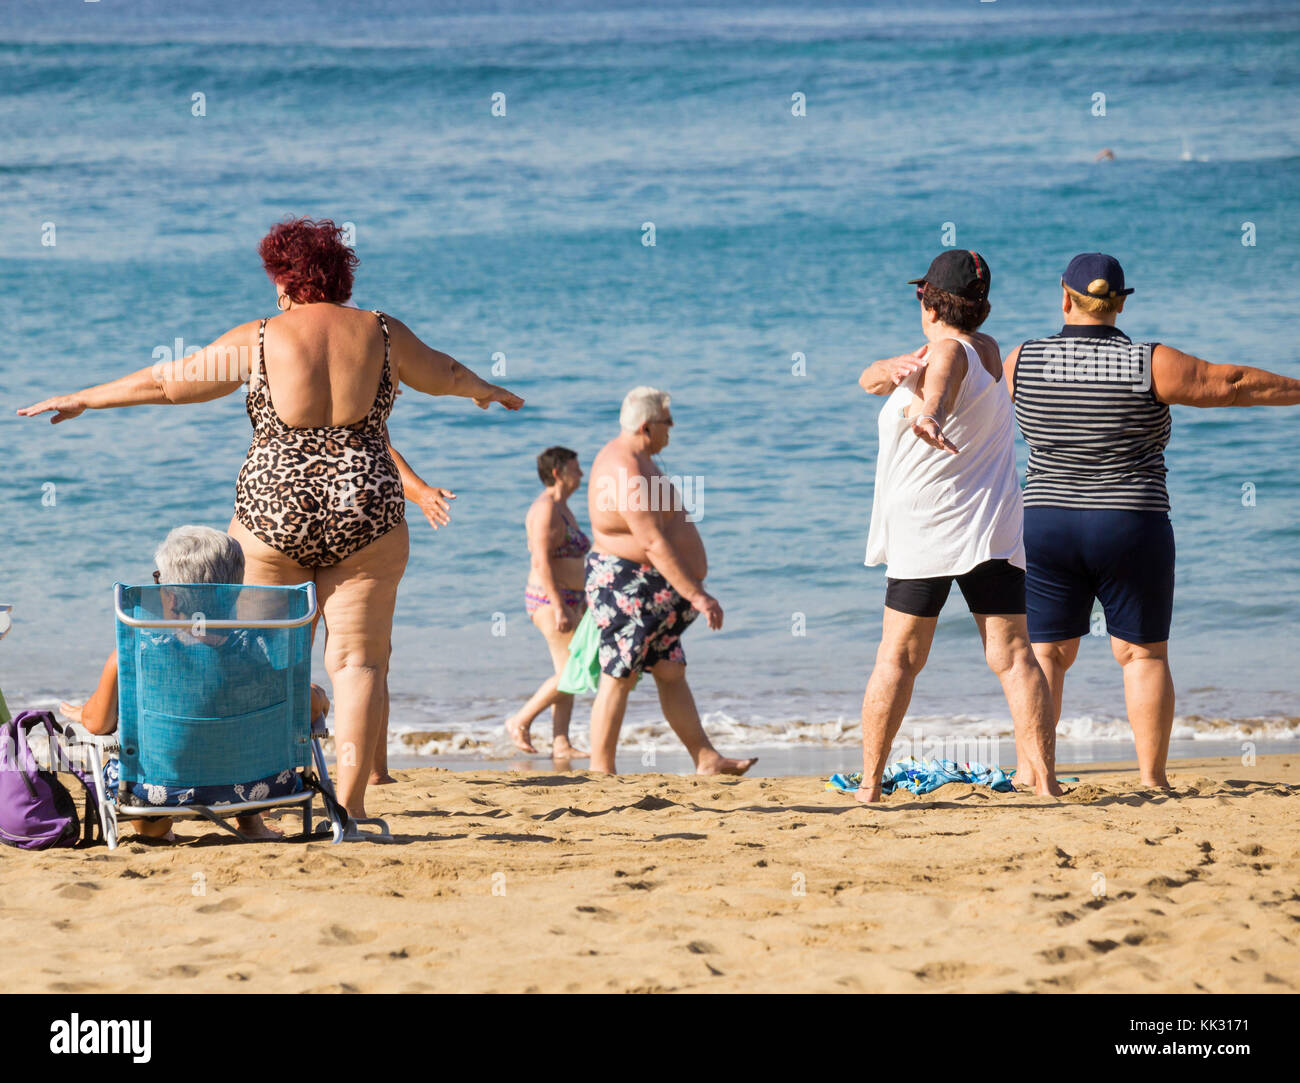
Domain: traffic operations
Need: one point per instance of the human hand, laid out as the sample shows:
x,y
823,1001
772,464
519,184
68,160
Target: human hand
x,y
928,429
883,376
901,367
434,503
320,702
508,399
708,605
65,408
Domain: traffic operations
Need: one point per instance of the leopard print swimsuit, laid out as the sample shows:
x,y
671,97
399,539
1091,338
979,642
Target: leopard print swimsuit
x,y
319,495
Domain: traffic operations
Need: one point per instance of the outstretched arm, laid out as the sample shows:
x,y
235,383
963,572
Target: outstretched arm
x,y
216,370
881,377
1181,379
939,386
437,373
431,499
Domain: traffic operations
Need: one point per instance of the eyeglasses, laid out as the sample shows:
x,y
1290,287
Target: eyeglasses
x,y
920,291
662,421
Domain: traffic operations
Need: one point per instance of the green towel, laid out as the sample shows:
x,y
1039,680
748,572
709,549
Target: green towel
x,y
582,670
4,711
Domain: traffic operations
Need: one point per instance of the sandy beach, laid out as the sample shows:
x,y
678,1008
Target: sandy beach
x,y
505,881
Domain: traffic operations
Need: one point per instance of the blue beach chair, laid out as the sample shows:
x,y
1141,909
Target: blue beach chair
x,y
214,704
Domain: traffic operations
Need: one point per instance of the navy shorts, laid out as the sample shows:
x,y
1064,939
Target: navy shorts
x,y
1124,559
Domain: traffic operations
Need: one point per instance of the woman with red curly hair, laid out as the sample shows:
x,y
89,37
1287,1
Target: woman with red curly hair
x,y
320,496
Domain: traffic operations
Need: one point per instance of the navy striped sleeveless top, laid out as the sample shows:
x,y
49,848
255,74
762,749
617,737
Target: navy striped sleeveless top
x,y
1095,429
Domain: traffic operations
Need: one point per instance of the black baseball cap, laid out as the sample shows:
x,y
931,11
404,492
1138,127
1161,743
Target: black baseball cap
x,y
958,271
1096,275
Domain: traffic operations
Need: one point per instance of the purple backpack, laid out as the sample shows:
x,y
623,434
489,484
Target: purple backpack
x,y
36,810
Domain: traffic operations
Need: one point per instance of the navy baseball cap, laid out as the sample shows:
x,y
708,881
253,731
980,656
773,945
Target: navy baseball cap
x,y
958,271
1096,274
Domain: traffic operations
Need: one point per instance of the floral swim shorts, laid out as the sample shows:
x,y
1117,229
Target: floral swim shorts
x,y
641,617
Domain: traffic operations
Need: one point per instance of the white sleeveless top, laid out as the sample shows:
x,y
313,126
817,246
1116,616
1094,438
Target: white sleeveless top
x,y
935,513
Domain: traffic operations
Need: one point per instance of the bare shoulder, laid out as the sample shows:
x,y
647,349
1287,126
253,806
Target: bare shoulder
x,y
543,514
948,350
611,457
402,338
943,356
1167,355
982,339
395,326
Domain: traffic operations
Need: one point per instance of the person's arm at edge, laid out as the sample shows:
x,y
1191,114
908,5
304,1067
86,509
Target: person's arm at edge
x,y
98,715
165,383
1180,379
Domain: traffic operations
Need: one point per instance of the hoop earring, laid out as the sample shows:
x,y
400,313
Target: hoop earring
x,y
280,302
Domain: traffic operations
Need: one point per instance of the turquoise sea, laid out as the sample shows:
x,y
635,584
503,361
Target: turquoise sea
x,y
782,243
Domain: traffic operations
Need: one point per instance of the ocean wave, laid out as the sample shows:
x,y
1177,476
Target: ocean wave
x,y
952,736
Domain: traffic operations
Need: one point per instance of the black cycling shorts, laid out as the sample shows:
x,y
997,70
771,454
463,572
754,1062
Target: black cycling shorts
x,y
994,587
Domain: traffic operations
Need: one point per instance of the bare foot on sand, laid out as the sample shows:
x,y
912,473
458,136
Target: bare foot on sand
x,y
1043,787
713,764
519,734
868,795
257,828
153,831
562,750
381,780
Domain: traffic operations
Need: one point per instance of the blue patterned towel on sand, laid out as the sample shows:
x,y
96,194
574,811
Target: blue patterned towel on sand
x,y
912,774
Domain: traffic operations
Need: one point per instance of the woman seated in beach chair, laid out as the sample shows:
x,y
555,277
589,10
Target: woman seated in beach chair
x,y
192,554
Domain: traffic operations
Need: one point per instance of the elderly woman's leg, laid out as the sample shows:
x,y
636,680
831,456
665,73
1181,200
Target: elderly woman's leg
x,y
1149,696
904,646
547,694
1010,656
264,567
356,597
379,774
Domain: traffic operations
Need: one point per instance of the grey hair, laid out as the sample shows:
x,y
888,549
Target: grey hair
x,y
640,405
199,554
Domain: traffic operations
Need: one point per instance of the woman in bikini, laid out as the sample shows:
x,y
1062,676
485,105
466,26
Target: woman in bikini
x,y
555,597
319,497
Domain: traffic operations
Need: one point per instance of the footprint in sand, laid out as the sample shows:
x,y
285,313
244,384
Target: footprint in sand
x,y
1066,953
340,934
225,906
